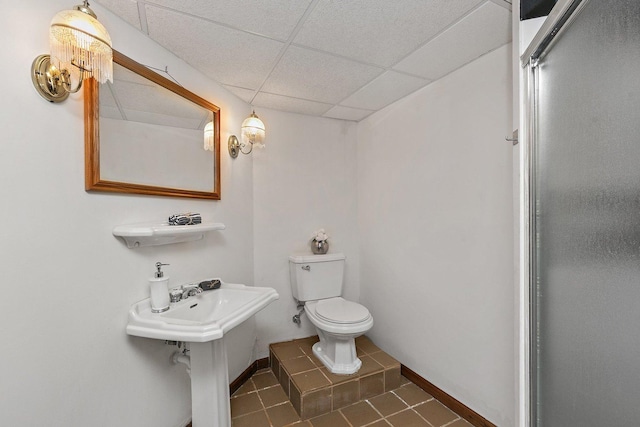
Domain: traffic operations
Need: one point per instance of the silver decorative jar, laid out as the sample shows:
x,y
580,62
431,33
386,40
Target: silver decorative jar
x,y
319,247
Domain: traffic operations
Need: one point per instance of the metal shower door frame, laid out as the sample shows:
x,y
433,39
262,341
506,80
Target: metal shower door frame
x,y
556,23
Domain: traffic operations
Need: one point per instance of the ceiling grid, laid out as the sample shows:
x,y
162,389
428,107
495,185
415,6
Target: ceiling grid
x,y
327,58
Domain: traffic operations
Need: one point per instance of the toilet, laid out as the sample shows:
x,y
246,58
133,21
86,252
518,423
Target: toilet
x,y
316,281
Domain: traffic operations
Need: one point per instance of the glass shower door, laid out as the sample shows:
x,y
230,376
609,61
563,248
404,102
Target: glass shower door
x,y
585,213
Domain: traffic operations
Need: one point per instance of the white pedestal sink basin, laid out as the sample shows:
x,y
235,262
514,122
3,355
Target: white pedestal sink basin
x,y
202,321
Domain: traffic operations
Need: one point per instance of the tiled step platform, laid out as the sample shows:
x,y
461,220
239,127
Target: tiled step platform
x,y
314,391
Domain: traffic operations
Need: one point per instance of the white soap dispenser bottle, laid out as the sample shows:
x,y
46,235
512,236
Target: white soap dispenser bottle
x,y
159,289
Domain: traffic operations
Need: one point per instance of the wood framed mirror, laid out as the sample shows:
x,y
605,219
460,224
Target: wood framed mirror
x,y
145,134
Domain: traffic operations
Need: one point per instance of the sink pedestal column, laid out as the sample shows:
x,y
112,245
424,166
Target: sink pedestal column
x,y
210,406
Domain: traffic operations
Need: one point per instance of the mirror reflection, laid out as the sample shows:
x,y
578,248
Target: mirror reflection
x,y
153,137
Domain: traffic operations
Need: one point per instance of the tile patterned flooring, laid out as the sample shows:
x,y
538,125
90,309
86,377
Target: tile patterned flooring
x,y
314,391
263,401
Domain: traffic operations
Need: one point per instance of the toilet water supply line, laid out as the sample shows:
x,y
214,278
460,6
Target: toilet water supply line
x,y
296,317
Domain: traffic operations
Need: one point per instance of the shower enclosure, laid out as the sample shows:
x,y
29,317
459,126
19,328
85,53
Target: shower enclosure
x,y
583,136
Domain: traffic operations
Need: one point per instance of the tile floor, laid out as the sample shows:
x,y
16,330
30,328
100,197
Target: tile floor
x,y
261,402
314,391
298,384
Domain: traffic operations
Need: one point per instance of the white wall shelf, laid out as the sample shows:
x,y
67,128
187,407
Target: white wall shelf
x,y
154,234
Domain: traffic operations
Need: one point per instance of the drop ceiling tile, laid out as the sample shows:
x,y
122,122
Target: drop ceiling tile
x,y
378,31
125,9
245,94
482,31
346,113
307,74
228,56
385,89
294,105
271,18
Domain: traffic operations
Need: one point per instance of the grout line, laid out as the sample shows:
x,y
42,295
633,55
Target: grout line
x,y
425,420
452,421
264,409
286,46
344,417
406,403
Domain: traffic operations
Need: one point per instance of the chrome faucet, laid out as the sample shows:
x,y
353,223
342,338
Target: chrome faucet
x,y
190,290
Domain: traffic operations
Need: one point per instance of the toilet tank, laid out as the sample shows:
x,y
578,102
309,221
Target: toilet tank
x,y
315,277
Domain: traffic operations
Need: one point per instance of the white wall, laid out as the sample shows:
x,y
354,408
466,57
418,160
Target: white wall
x,y
305,179
432,261
67,282
436,233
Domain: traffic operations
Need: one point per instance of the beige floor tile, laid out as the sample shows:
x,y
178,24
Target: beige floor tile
x,y
298,364
316,403
288,351
337,379
264,380
255,419
245,404
371,385
332,419
360,414
392,378
369,366
310,380
407,418
245,388
345,394
412,394
317,361
384,359
435,412
284,380
460,423
307,345
275,366
296,398
406,406
388,404
381,423
272,396
366,345
282,415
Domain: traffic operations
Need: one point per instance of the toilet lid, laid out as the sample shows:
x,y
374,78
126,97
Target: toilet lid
x,y
339,310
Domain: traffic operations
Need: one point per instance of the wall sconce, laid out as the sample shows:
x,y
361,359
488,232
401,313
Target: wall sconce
x,y
208,137
77,39
253,133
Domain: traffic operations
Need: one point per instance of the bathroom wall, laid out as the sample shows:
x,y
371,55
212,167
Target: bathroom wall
x,y
435,203
434,215
67,282
305,179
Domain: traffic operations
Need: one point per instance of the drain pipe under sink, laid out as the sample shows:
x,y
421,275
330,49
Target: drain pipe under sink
x,y
180,357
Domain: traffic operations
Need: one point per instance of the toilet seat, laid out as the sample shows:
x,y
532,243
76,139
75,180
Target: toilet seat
x,y
339,327
339,310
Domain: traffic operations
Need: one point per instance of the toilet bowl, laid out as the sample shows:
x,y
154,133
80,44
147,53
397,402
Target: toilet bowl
x,y
338,323
317,281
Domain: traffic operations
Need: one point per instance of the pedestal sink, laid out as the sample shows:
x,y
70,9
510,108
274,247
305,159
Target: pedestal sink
x,y
202,321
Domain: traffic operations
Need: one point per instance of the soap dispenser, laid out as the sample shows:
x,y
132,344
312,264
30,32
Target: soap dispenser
x,y
159,287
